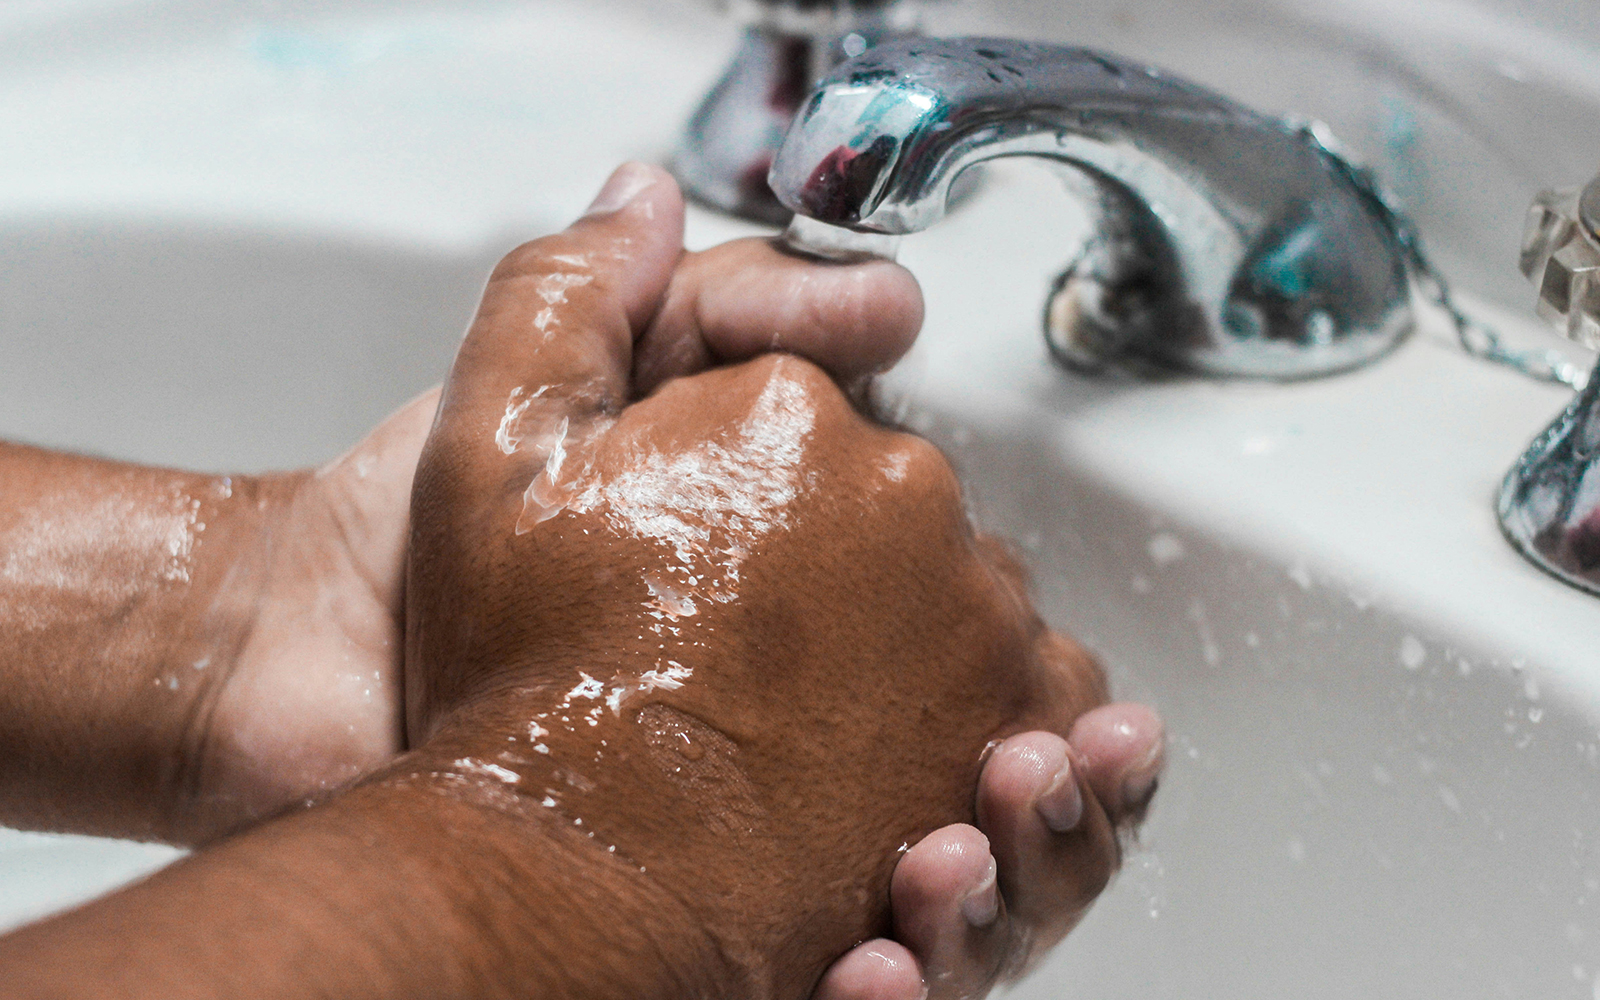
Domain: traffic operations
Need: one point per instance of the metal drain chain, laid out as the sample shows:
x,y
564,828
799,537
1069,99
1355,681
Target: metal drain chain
x,y
1476,338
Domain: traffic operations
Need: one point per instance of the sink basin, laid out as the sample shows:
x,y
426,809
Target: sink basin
x,y
234,240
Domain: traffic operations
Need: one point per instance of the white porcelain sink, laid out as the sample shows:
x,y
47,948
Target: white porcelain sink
x,y
234,240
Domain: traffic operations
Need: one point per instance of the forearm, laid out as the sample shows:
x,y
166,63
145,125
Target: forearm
x,y
411,885
124,592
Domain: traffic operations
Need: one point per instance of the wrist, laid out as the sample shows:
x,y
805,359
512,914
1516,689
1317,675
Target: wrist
x,y
231,590
126,596
536,904
306,699
674,805
402,886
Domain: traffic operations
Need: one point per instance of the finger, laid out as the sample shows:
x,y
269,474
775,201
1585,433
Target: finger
x,y
874,970
949,911
557,320
1123,747
1055,846
748,297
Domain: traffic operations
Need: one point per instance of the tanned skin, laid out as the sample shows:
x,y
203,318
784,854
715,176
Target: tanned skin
x,y
837,710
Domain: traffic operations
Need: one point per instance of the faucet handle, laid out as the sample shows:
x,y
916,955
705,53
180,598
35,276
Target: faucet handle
x,y
1549,508
1561,256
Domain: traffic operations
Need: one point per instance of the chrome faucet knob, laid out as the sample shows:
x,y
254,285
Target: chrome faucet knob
x,y
1226,242
728,144
1550,502
1561,256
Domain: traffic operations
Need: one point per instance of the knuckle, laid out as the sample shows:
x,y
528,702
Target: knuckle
x,y
545,255
782,382
520,261
916,467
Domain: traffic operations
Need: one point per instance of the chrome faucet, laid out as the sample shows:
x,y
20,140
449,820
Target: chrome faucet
x,y
1550,502
788,45
1227,243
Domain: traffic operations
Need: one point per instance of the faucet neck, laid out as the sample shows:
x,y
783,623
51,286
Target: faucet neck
x,y
1205,210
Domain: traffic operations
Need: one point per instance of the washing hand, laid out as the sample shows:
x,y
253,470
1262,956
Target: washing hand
x,y
290,599
736,635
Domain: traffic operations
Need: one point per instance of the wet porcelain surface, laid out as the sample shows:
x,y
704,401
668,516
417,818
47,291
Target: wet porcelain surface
x,y
1386,725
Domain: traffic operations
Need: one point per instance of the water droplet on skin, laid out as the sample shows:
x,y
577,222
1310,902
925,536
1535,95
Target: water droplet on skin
x,y
687,748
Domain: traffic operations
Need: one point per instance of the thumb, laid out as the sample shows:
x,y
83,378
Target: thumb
x,y
553,336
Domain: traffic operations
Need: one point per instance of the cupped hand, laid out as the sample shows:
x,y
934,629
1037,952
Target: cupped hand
x,y
732,626
313,697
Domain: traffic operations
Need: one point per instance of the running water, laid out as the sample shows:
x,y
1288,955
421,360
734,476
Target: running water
x,y
819,239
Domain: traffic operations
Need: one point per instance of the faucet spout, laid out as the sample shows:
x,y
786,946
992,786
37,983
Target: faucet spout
x,y
1227,242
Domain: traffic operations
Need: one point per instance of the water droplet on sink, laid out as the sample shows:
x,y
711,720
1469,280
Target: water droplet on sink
x,y
1165,549
1448,797
1412,653
1209,649
1300,573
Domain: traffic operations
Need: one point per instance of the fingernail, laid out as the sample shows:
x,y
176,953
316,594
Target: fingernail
x,y
1139,785
981,906
888,967
1061,804
627,182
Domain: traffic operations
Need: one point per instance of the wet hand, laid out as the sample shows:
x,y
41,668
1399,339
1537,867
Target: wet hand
x,y
311,699
626,594
314,698
975,908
